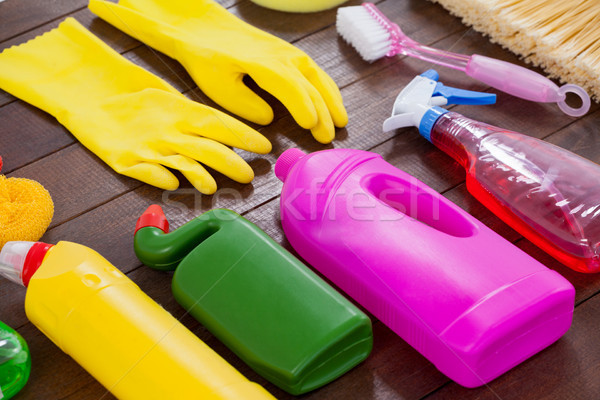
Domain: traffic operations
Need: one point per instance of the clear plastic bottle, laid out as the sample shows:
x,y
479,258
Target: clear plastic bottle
x,y
548,194
15,362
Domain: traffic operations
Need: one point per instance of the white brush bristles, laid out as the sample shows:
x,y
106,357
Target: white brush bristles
x,y
361,30
561,36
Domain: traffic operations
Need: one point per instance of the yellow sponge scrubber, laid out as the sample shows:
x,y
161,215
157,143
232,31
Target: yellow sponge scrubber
x,y
26,209
301,6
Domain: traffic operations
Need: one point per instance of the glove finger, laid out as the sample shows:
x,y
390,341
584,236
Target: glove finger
x,y
125,17
231,93
152,174
323,131
329,90
194,172
213,124
288,86
216,155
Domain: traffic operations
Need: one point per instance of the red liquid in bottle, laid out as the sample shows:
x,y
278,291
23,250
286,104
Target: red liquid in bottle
x,y
548,194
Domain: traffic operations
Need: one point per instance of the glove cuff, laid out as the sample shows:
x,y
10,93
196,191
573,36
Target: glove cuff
x,y
69,66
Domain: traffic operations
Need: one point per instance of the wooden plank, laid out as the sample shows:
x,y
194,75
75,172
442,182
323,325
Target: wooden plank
x,y
19,16
105,220
27,134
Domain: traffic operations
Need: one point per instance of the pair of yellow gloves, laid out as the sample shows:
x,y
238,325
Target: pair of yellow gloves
x,y
139,124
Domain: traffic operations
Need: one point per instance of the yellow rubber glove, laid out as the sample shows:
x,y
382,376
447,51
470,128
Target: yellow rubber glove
x,y
218,49
133,120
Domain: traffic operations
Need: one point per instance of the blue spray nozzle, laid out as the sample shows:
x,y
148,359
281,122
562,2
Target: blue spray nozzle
x,y
431,74
457,96
461,96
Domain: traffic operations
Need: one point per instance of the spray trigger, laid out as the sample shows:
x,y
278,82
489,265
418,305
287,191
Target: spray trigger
x,y
425,92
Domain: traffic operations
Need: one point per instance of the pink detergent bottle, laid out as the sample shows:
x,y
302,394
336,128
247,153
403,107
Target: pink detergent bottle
x,y
547,194
468,300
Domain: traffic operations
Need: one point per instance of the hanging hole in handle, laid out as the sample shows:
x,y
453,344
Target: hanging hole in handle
x,y
577,91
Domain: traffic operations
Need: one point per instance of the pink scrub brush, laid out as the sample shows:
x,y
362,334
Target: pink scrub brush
x,y
375,36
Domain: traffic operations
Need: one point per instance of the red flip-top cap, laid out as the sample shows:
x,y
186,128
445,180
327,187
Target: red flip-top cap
x,y
153,216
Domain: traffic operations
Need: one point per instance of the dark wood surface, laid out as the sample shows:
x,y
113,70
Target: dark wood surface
x,y
96,207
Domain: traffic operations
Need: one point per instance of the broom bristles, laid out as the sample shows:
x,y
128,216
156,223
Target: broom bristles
x,y
560,36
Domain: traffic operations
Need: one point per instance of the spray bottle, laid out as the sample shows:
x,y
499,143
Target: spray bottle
x,y
129,343
547,194
15,362
464,297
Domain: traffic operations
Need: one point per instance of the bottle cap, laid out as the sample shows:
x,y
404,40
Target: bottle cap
x,y
153,216
20,260
429,119
286,161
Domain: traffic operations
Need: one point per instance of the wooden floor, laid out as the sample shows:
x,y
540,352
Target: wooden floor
x,y
96,207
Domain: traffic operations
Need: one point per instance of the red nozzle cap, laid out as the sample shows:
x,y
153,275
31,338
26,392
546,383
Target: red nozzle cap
x,y
1,163
286,161
153,216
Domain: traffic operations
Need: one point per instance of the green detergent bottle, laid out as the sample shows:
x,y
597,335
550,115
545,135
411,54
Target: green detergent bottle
x,y
270,309
15,362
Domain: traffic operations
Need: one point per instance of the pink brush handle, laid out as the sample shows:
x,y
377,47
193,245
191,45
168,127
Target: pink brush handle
x,y
513,79
524,83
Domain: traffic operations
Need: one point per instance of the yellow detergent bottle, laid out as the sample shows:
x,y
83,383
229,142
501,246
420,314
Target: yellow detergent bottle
x,y
128,342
